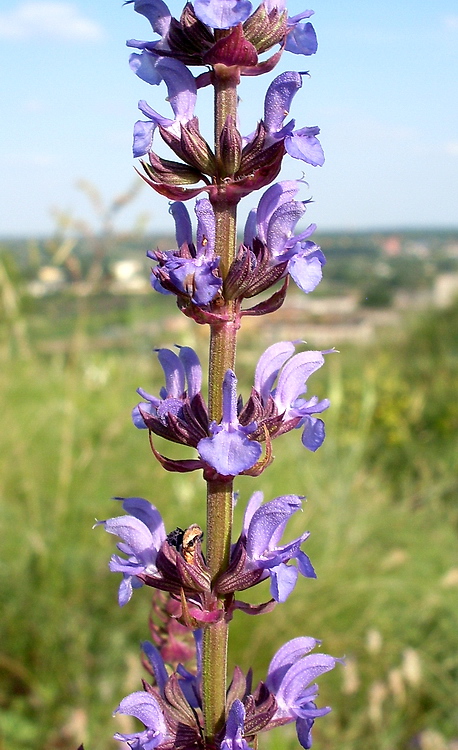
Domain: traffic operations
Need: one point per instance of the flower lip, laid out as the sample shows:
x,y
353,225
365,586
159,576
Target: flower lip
x,y
229,450
222,14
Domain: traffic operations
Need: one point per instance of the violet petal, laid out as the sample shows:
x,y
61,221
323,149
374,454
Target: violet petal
x,y
313,434
222,14
278,99
282,581
269,365
301,40
183,227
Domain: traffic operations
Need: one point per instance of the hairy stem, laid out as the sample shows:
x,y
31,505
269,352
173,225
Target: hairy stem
x,y
223,338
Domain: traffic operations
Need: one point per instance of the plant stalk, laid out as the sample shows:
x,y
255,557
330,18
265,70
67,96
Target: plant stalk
x,y
223,337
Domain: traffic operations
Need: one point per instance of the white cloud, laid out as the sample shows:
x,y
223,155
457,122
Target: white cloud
x,y
52,20
451,148
31,161
451,22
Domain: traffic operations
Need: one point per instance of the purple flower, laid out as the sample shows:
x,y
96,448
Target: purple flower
x,y
301,39
180,371
145,707
233,738
142,534
229,450
182,94
274,221
291,371
301,144
289,676
263,527
159,16
222,14
190,270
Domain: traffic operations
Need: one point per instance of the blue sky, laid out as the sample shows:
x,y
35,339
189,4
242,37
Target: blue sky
x,y
383,89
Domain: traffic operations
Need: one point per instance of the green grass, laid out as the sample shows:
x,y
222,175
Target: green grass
x,y
381,508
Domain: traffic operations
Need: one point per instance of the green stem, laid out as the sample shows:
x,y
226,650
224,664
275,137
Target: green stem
x,y
223,338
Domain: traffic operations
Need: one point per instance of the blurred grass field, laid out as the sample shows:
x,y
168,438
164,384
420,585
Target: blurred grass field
x,y
382,511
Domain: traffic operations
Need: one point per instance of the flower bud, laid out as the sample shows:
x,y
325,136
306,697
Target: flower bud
x,y
265,29
230,148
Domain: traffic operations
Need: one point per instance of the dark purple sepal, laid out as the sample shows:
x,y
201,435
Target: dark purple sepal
x,y
254,147
173,142
189,38
265,29
252,271
232,50
267,417
173,192
166,565
237,577
230,148
260,708
255,609
186,429
270,305
171,172
180,466
195,148
269,155
199,314
237,690
254,410
194,575
263,463
178,706
263,67
239,188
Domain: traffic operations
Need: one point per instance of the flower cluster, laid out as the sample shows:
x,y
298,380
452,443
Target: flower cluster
x,y
196,590
234,445
171,709
174,562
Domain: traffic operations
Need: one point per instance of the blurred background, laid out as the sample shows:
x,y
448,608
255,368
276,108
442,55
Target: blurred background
x,y
78,323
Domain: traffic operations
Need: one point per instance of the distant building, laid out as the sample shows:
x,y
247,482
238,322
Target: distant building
x,y
391,246
50,279
445,290
129,277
